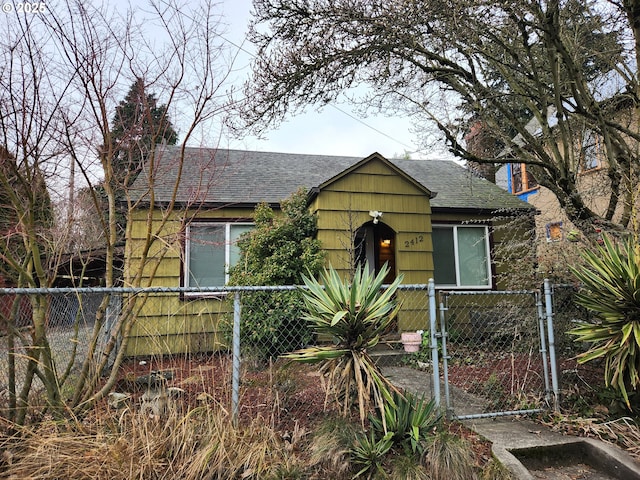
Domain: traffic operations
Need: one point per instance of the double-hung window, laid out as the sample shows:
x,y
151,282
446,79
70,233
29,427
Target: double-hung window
x,y
210,249
461,256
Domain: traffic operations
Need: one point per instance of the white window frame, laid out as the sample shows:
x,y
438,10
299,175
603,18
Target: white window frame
x,y
487,247
227,251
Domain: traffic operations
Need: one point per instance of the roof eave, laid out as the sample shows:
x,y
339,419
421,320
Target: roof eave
x,y
205,205
504,211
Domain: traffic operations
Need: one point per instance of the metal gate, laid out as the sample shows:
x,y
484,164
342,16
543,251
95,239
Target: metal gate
x,y
495,352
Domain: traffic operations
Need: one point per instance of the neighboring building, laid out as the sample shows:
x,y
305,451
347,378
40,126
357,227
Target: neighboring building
x,y
425,218
553,228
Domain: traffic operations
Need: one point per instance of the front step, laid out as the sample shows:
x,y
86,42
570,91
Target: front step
x,y
388,352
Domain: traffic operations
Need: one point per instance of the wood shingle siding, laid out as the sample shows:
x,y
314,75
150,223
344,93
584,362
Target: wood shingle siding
x,y
226,185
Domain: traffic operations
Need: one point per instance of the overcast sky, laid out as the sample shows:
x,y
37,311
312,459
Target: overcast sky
x,y
331,131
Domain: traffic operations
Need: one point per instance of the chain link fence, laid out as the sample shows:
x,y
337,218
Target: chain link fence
x,y
68,320
224,346
181,341
578,382
494,361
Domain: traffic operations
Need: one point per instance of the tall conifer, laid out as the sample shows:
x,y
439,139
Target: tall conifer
x,y
138,124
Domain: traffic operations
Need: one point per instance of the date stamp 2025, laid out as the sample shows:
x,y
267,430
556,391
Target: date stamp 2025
x,y
24,7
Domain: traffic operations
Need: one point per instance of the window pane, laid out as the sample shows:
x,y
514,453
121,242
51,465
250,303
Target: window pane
x,y
554,232
531,180
516,177
234,251
206,255
590,151
444,260
472,255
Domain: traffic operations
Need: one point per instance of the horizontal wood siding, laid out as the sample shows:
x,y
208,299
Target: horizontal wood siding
x,y
168,324
414,314
515,262
173,344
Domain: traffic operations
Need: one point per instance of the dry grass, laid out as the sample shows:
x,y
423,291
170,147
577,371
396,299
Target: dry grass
x,y
195,438
623,431
449,457
330,448
494,470
405,467
204,443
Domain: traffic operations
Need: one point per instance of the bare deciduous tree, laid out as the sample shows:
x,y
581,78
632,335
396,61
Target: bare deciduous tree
x,y
57,103
539,75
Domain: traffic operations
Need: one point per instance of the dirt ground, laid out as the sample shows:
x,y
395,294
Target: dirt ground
x,y
289,396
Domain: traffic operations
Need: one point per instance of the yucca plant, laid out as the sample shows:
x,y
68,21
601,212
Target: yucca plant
x,y
611,290
411,421
354,315
369,453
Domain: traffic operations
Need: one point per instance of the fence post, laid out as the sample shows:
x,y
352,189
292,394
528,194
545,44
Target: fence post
x,y
114,308
434,341
552,344
235,382
543,346
445,361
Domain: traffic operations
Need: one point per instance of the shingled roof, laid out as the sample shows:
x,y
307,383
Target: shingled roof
x,y
239,177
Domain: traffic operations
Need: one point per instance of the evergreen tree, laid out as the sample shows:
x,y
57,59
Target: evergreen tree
x,y
281,248
139,123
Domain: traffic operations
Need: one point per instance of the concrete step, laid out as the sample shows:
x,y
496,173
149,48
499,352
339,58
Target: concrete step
x,y
388,352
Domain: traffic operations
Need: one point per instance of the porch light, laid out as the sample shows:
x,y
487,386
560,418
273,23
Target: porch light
x,y
376,216
385,243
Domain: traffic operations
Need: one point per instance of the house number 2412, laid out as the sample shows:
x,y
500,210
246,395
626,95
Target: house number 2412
x,y
414,241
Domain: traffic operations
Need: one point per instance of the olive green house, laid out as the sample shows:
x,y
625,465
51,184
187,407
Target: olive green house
x,y
424,218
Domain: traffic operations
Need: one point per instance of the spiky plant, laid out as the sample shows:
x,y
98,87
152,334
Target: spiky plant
x,y
610,281
411,421
369,453
355,316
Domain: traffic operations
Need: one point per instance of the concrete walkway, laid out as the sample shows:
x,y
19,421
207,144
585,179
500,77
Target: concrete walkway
x,y
511,436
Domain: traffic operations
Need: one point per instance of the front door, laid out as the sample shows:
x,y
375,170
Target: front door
x,y
375,244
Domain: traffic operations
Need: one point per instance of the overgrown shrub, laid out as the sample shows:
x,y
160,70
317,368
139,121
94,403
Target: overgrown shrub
x,y
278,251
272,324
